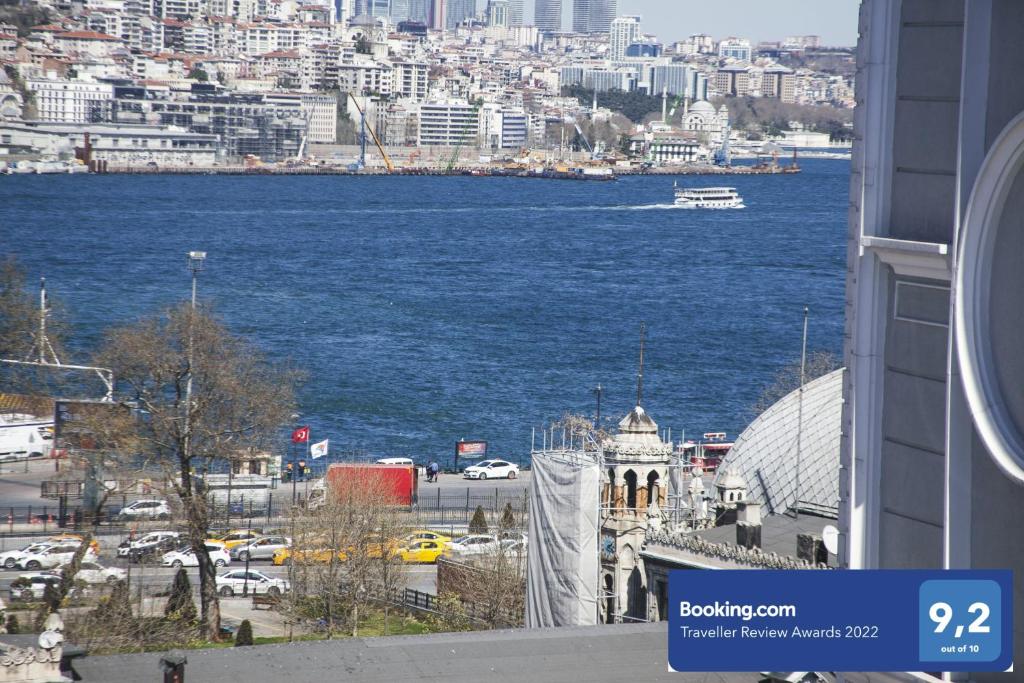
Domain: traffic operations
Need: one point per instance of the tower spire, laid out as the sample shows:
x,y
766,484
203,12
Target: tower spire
x,y
640,370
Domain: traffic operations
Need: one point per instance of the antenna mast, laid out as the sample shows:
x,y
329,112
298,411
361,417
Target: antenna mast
x,y
640,371
42,343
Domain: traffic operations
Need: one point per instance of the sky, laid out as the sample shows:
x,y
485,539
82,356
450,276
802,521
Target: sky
x,y
670,20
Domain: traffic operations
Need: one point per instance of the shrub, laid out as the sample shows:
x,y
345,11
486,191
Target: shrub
x,y
478,525
179,604
508,518
12,624
244,635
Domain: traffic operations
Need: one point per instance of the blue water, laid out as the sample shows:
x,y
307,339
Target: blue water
x,y
428,309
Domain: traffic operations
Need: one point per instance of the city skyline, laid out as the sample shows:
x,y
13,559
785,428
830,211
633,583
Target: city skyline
x,y
673,20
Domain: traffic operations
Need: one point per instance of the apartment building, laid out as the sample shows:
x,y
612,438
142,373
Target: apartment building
x,y
66,101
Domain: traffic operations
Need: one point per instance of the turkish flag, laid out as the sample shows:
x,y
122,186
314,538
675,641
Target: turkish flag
x,y
300,435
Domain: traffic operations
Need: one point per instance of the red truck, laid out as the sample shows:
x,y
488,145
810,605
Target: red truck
x,y
399,484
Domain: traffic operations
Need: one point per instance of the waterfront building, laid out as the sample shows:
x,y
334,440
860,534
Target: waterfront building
x,y
624,31
10,98
666,147
932,462
734,48
71,101
117,144
503,127
448,124
547,15
701,117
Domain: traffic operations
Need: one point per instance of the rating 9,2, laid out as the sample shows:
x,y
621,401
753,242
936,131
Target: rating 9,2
x,y
959,620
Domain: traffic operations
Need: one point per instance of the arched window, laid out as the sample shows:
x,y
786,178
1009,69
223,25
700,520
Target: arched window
x,y
652,487
630,478
610,502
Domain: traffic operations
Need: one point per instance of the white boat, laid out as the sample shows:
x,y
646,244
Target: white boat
x,y
708,198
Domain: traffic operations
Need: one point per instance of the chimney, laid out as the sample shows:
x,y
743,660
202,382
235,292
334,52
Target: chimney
x,y
810,547
748,524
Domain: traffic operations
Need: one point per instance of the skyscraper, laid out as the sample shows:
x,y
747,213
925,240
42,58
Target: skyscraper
x,y
515,12
458,11
547,15
593,16
624,30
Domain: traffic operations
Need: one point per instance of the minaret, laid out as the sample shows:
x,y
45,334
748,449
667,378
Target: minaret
x,y
664,104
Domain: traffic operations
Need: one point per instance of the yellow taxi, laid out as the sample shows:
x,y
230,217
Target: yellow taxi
x,y
237,537
423,551
94,544
427,535
286,556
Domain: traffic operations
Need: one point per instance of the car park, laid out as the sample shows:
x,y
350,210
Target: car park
x,y
9,559
145,509
238,581
53,556
262,548
491,469
472,546
148,544
185,556
94,573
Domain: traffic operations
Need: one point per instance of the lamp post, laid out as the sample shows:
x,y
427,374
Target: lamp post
x,y
195,264
294,474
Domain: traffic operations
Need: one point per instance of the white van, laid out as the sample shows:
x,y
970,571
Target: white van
x,y
25,436
395,461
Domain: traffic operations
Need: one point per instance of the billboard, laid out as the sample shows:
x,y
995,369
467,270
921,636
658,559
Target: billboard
x,y
471,449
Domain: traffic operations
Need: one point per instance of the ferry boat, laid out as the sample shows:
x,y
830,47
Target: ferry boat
x,y
708,197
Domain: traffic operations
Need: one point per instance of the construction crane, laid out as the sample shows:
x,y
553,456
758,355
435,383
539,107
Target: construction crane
x,y
380,147
462,138
581,136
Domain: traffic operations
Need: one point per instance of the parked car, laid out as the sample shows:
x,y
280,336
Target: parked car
x,y
94,573
148,544
422,551
53,556
9,559
33,586
145,509
186,557
262,548
394,461
235,583
492,469
472,545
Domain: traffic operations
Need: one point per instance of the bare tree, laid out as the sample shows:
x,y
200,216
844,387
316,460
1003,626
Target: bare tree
x,y
787,379
238,403
344,555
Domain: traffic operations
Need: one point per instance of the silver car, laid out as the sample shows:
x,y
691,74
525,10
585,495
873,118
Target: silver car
x,y
262,548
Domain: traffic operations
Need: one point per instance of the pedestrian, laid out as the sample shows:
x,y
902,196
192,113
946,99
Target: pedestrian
x,y
302,470
432,471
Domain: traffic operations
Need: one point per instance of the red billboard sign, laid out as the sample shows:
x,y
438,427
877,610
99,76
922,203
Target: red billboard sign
x,y
471,449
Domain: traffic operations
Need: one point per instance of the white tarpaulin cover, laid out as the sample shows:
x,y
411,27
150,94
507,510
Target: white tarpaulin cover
x,y
562,563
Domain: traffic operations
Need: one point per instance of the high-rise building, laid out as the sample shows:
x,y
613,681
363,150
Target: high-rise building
x,y
458,11
438,9
497,13
515,13
375,8
547,15
593,16
736,48
624,31
419,11
399,10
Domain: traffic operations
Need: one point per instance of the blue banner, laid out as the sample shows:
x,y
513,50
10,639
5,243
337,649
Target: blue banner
x,y
863,620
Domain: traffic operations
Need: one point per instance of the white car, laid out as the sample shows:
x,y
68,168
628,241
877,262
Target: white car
x,y
472,545
263,548
146,509
186,557
33,586
9,559
54,556
93,573
491,469
235,583
146,542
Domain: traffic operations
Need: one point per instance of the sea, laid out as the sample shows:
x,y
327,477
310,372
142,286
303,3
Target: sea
x,y
425,310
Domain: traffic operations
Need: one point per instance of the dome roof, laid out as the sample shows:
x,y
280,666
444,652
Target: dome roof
x,y
638,422
702,107
765,454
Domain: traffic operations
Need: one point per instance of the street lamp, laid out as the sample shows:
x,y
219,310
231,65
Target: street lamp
x,y
195,264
